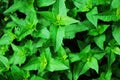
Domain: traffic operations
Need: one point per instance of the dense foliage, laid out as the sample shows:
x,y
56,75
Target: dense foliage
x,y
59,39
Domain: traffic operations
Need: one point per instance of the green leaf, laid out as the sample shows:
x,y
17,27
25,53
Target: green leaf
x,y
83,5
59,37
107,16
59,8
42,33
114,2
111,59
99,40
62,53
101,2
74,57
17,73
116,32
99,30
91,16
84,52
14,7
53,33
3,49
93,32
71,30
34,77
23,6
50,16
7,38
33,64
43,62
65,20
4,64
44,3
55,65
29,47
108,74
77,69
116,50
102,28
93,63
19,55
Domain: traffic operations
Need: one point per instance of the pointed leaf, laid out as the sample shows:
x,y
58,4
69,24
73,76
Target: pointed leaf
x,y
59,8
65,20
91,16
4,64
44,3
59,37
55,65
116,32
83,5
19,56
34,77
99,40
33,64
71,30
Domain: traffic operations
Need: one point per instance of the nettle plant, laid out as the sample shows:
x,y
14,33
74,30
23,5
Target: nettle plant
x,y
59,39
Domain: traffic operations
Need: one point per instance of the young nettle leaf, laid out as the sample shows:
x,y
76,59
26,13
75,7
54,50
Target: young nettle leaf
x,y
59,8
7,38
53,34
91,16
91,63
34,77
65,20
19,55
116,50
32,64
23,6
58,19
111,58
62,53
102,28
14,7
4,64
17,73
71,30
42,33
108,74
93,32
83,5
77,69
74,57
50,16
3,49
43,62
56,65
84,52
116,32
59,37
98,53
99,40
105,75
98,31
44,3
107,16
